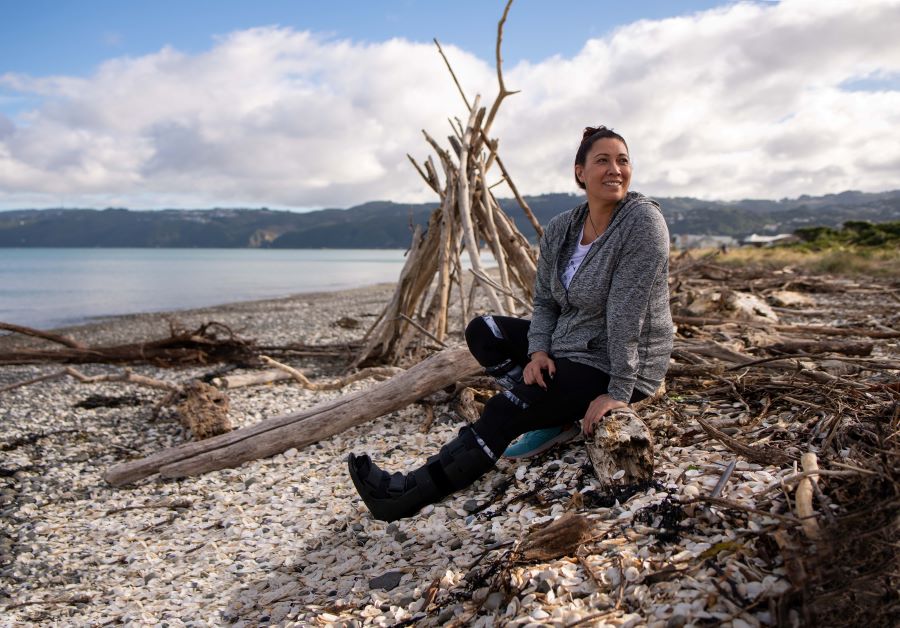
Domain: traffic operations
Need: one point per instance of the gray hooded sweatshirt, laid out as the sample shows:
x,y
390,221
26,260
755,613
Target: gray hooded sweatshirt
x,y
615,314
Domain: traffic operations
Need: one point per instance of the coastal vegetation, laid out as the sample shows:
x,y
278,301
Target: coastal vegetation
x,y
858,248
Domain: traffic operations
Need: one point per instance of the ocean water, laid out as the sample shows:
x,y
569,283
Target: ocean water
x,y
47,288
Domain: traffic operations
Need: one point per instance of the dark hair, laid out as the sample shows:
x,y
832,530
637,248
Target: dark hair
x,y
592,134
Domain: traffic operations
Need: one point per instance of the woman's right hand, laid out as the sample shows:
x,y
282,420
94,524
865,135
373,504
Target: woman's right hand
x,y
540,361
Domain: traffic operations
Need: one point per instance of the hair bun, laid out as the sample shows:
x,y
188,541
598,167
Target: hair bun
x,y
589,131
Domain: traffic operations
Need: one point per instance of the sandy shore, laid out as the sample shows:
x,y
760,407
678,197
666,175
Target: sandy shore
x,y
285,540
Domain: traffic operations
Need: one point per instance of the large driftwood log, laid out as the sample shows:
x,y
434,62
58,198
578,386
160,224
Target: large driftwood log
x,y
299,429
621,449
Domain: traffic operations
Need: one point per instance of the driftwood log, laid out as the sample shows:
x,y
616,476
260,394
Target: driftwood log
x,y
824,330
554,540
209,343
204,410
621,450
300,429
845,347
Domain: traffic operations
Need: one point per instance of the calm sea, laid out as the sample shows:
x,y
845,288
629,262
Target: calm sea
x,y
46,288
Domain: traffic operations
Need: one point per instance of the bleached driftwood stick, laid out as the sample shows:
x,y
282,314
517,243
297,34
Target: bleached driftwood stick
x,y
125,376
377,372
804,494
464,200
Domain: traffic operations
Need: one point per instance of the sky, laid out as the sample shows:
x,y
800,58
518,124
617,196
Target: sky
x,y
308,104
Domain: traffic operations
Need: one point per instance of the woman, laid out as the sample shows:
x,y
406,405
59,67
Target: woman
x,y
599,338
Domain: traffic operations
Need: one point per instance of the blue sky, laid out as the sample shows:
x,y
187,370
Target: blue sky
x,y
313,104
67,37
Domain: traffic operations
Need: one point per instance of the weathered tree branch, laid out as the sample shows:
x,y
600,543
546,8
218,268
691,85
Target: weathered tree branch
x,y
299,429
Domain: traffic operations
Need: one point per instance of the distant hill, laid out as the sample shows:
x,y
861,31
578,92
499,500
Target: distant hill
x,y
383,224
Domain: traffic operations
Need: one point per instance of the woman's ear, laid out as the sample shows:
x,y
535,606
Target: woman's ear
x,y
579,172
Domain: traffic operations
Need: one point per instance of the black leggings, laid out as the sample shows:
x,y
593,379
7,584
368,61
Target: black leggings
x,y
500,343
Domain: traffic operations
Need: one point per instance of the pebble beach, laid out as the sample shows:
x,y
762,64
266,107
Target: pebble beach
x,y
286,541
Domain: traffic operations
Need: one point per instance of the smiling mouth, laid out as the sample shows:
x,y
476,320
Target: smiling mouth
x,y
613,184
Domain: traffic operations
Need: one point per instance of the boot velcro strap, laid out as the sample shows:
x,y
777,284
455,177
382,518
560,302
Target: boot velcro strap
x,y
397,484
424,482
464,460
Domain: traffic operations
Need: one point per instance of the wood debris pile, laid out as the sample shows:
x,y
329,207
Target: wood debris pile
x,y
814,389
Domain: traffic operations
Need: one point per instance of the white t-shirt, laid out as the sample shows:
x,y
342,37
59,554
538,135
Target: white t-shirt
x,y
577,257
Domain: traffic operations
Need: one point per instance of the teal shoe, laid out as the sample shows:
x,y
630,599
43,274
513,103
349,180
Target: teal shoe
x,y
534,443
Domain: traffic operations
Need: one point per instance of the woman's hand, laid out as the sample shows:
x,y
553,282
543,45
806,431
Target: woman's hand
x,y
597,410
540,361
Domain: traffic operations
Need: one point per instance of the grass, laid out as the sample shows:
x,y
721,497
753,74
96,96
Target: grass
x,y
842,260
859,248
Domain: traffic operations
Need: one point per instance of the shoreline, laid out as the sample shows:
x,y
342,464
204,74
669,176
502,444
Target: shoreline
x,y
250,318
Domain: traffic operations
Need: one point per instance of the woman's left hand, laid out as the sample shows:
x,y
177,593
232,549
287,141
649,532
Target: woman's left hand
x,y
597,410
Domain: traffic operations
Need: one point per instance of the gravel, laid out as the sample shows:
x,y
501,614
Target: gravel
x,y
285,540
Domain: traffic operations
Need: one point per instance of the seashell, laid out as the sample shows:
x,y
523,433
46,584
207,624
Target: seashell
x,y
613,576
752,589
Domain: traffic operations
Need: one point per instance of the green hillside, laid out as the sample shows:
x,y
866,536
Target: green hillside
x,y
384,224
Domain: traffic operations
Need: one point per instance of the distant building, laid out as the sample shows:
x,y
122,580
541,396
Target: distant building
x,y
685,241
764,240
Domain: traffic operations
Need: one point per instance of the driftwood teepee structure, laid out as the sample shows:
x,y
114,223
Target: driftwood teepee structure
x,y
469,214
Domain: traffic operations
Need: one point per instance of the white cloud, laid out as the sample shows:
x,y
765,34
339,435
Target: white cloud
x,y
741,101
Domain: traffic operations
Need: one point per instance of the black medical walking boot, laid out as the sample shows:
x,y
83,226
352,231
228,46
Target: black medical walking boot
x,y
396,496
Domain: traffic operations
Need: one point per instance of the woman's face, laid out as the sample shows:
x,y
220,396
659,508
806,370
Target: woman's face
x,y
606,172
